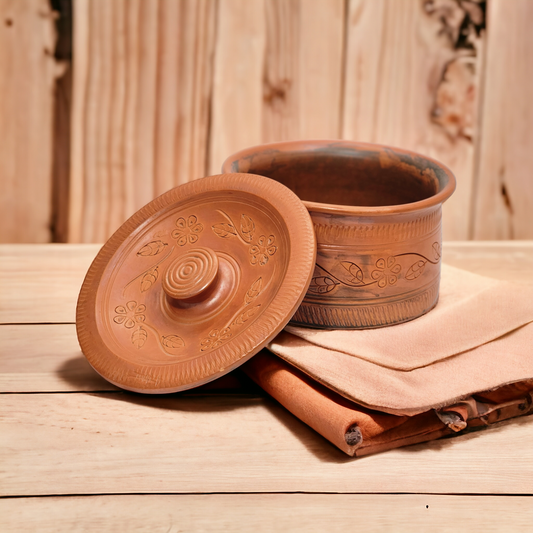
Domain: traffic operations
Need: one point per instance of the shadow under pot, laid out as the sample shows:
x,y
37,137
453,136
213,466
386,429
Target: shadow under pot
x,y
376,212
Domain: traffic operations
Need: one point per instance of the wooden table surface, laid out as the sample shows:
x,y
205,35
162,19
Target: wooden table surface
x,y
78,454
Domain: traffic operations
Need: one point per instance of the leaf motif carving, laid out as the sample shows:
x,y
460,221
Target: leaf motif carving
x,y
245,316
172,342
322,285
253,291
152,248
354,271
224,230
247,228
415,270
149,279
437,250
138,337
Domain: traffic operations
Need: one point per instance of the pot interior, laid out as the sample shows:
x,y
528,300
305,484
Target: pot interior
x,y
343,175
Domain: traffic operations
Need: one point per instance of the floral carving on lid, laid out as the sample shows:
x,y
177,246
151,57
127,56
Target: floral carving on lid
x,y
129,314
187,230
215,338
261,251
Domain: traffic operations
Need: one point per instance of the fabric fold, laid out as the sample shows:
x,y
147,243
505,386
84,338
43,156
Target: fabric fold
x,y
357,430
466,364
479,337
503,361
472,310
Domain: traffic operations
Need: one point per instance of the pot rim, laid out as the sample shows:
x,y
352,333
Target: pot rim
x,y
303,145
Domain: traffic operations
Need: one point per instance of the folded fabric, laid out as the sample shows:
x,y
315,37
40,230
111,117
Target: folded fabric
x,y
472,310
479,337
357,430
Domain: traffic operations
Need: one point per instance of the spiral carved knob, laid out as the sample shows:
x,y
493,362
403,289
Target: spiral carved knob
x,y
191,274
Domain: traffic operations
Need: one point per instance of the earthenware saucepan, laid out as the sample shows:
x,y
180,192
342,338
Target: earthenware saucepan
x,y
377,214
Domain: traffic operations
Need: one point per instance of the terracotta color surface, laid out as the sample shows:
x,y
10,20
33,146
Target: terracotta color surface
x,y
376,211
195,283
357,430
479,337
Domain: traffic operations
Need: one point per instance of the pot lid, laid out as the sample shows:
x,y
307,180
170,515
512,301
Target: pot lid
x,y
195,283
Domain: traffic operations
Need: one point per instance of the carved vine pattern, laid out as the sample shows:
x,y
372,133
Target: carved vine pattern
x,y
132,315
260,251
149,276
386,271
186,231
216,337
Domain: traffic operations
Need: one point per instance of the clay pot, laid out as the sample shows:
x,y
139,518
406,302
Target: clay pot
x,y
376,212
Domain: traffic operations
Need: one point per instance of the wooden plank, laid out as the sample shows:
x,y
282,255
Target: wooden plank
x,y
128,443
39,358
258,512
45,358
140,106
40,283
506,260
238,79
27,72
185,55
278,72
504,191
411,80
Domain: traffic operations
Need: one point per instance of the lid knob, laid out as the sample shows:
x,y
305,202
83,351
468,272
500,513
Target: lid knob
x,y
190,276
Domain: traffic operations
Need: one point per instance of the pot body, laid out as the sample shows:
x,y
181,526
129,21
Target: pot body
x,y
371,273
377,263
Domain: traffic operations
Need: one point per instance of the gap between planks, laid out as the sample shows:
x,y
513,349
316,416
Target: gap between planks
x,y
128,443
258,512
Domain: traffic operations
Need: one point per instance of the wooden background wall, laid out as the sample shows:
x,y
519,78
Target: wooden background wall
x,y
106,103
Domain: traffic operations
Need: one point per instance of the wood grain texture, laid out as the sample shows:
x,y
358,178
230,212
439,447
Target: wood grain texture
x,y
127,443
504,189
302,513
411,81
27,73
61,121
40,283
278,73
48,358
45,358
506,260
117,442
140,106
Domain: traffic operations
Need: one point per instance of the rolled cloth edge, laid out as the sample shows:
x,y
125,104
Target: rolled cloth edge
x,y
357,430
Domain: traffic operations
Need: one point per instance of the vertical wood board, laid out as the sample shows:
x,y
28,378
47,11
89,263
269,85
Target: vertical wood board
x,y
27,74
412,81
278,73
504,188
140,106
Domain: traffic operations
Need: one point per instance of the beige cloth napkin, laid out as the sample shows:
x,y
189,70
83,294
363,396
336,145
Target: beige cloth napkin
x,y
478,338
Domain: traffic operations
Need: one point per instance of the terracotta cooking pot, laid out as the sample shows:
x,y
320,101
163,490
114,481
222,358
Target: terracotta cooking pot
x,y
376,212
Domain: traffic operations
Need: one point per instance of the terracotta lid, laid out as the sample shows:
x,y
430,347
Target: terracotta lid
x,y
196,283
